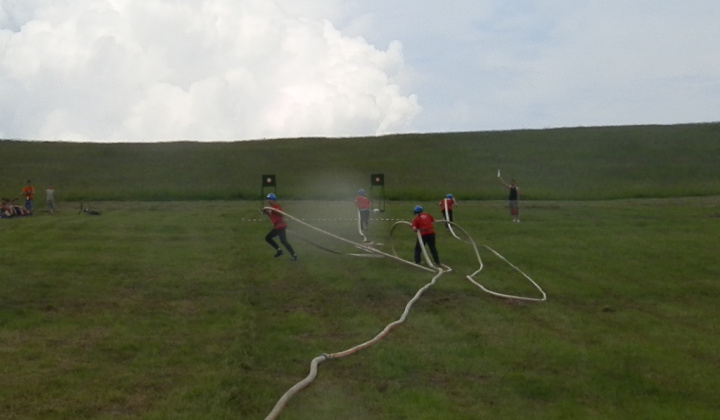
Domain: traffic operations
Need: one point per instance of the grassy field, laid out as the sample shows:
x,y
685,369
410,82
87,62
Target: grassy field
x,y
559,164
170,306
178,310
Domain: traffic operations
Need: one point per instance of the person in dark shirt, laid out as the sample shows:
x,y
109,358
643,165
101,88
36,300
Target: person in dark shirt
x,y
513,199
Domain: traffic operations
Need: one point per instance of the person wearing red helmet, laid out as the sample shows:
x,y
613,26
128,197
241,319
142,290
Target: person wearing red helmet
x,y
423,223
278,229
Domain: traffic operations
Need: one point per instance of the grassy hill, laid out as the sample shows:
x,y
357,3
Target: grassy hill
x,y
170,305
555,164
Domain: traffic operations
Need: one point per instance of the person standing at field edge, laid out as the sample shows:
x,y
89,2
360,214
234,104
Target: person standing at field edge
x,y
50,199
446,207
363,206
513,199
423,223
29,193
278,229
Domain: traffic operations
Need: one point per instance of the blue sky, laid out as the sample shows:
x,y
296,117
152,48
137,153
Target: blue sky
x,y
225,70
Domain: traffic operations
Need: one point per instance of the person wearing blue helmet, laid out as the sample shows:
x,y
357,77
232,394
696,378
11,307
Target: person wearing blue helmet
x,y
446,207
363,205
278,229
423,223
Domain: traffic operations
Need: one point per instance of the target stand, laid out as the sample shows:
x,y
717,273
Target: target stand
x,y
378,180
268,181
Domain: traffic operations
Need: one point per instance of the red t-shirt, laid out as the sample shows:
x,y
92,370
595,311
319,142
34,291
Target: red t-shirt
x,y
276,218
362,202
28,192
446,204
424,223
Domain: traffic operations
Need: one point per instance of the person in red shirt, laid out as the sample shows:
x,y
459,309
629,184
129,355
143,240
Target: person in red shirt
x,y
446,207
279,228
29,193
423,223
363,206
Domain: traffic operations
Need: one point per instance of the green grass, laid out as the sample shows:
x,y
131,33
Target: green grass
x,y
594,163
159,310
170,304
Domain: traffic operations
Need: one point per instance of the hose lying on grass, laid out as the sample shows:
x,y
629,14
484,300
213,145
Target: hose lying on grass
x,y
439,271
316,361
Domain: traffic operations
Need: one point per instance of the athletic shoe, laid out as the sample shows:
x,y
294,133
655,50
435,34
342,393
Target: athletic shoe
x,y
278,253
293,258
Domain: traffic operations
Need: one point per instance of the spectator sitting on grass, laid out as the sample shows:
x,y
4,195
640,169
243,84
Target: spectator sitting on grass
x,y
5,210
10,209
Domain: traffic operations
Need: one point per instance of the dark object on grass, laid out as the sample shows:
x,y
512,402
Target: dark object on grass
x,y
87,210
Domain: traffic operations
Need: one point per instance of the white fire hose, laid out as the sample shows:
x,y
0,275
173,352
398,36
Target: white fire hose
x,y
439,271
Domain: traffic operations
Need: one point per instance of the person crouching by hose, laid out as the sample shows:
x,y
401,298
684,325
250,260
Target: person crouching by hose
x,y
423,223
279,228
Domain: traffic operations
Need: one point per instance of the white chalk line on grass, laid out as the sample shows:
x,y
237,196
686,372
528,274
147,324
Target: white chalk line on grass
x,y
438,272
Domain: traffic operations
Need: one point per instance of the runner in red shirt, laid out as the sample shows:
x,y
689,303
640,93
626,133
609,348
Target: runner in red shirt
x,y
423,223
279,228
363,205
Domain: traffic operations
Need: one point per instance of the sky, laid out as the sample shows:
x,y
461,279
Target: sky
x,y
234,70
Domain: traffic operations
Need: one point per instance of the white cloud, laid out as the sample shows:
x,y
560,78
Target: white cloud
x,y
245,69
549,63
124,70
